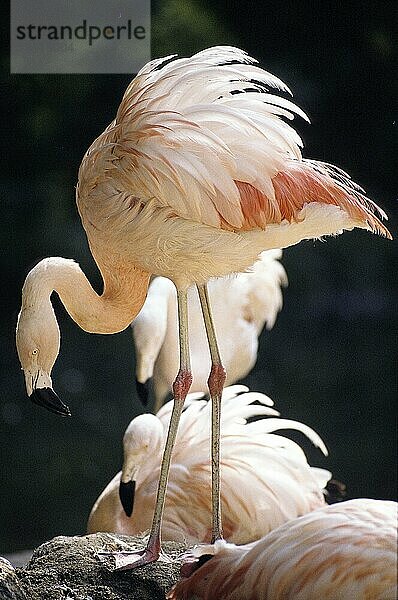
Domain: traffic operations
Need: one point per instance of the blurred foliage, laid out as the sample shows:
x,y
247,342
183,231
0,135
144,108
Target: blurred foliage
x,y
185,27
331,359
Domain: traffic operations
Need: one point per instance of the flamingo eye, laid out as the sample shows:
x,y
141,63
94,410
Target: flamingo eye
x,y
35,352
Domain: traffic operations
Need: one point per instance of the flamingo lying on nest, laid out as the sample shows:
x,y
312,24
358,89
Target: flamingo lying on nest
x,y
346,550
198,173
241,306
265,477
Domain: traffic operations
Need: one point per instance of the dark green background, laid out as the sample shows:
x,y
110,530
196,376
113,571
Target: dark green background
x,y
331,359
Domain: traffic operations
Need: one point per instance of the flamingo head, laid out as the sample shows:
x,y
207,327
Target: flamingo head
x,y
38,341
143,438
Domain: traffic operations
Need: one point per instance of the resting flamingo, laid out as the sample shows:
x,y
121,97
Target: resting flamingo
x,y
265,477
346,550
198,173
241,306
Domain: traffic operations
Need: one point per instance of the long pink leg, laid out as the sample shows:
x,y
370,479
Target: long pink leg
x,y
216,384
182,383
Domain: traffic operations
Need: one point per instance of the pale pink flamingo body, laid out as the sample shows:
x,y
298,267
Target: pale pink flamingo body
x,y
198,173
242,305
337,552
265,477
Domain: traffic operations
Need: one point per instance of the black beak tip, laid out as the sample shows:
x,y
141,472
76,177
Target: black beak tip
x,y
143,391
126,495
48,398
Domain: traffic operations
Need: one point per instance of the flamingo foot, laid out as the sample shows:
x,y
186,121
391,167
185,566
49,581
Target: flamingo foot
x,y
124,561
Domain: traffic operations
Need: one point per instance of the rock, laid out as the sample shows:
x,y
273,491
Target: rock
x,y
10,588
69,568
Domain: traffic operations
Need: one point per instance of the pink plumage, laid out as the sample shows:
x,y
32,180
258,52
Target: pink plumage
x,y
197,174
339,552
266,479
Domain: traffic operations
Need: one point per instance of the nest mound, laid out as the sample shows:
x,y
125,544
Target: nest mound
x,y
69,568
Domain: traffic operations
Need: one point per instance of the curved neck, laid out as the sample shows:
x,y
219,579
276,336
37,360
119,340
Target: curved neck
x,y
123,296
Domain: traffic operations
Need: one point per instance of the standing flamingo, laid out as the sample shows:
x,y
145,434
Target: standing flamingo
x,y
346,550
241,305
198,173
265,478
